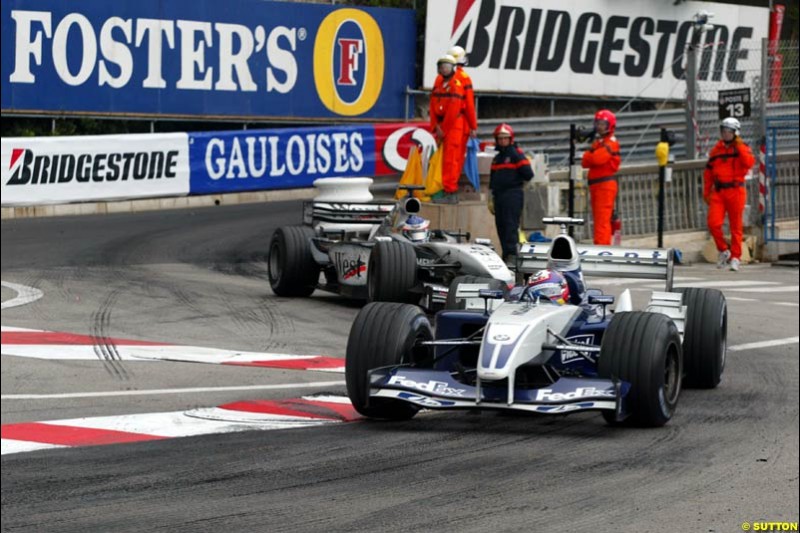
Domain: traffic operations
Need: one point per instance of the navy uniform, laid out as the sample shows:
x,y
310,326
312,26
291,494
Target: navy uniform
x,y
510,171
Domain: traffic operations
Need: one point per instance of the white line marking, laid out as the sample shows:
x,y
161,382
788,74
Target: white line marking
x,y
737,299
183,423
105,394
327,398
177,353
172,353
787,304
763,344
261,420
788,288
25,295
21,446
626,281
11,328
726,284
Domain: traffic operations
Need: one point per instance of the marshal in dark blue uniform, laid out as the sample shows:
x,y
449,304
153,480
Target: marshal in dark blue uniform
x,y
510,171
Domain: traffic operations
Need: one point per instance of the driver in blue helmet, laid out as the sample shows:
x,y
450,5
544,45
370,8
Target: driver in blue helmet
x,y
416,229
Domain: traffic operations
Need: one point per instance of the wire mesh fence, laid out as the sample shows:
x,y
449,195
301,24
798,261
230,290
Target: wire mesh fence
x,y
637,199
718,75
782,88
769,74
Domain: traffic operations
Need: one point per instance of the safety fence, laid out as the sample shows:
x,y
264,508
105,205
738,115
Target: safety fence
x,y
637,199
780,192
763,86
637,132
771,73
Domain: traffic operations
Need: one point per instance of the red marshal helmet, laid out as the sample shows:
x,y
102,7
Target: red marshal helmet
x,y
505,130
608,116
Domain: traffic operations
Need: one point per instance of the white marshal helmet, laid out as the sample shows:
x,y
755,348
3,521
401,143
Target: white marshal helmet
x,y
447,58
459,54
415,229
731,124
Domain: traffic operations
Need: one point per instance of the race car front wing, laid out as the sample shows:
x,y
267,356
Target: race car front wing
x,y
435,389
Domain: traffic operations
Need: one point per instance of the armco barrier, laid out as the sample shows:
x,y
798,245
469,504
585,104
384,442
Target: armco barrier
x,y
637,132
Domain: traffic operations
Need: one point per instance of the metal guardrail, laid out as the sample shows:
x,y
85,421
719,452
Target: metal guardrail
x,y
550,135
637,199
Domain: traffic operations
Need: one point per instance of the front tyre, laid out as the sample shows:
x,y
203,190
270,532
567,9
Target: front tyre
x,y
392,273
705,338
384,334
292,269
644,349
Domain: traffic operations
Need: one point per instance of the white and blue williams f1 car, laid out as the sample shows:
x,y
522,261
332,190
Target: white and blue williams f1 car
x,y
519,351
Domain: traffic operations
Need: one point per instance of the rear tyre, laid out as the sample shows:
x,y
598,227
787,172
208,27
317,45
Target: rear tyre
x,y
292,269
705,338
459,303
384,334
643,349
392,273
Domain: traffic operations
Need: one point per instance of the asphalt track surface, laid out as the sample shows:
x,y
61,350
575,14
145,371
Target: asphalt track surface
x,y
197,277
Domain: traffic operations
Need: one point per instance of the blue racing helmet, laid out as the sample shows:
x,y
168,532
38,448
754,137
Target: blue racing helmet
x,y
415,229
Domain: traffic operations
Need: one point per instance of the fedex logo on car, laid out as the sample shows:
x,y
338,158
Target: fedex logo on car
x,y
548,395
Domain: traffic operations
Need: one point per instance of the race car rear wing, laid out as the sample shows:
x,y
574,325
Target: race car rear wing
x,y
347,213
604,261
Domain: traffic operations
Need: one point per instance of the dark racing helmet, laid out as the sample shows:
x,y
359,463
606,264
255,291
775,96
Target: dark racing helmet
x,y
551,285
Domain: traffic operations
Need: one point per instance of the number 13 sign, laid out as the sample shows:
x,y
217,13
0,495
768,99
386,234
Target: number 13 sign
x,y
734,103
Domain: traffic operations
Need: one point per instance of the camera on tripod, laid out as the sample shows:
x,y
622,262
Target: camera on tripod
x,y
669,136
584,134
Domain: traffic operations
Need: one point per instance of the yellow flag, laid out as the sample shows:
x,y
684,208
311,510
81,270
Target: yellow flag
x,y
433,182
412,174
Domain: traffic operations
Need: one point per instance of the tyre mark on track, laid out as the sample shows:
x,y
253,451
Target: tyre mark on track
x,y
262,319
104,347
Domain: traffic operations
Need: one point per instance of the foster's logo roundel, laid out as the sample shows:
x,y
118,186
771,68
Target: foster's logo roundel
x,y
349,62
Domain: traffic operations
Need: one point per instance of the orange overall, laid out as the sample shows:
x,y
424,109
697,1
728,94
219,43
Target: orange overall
x,y
602,160
469,109
724,191
447,112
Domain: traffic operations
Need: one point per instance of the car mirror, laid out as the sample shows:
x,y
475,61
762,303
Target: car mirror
x,y
601,299
491,294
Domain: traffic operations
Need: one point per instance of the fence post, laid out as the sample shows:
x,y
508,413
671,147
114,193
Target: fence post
x,y
691,99
764,89
663,158
571,197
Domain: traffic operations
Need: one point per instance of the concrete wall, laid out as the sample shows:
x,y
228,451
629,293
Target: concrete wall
x,y
471,216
